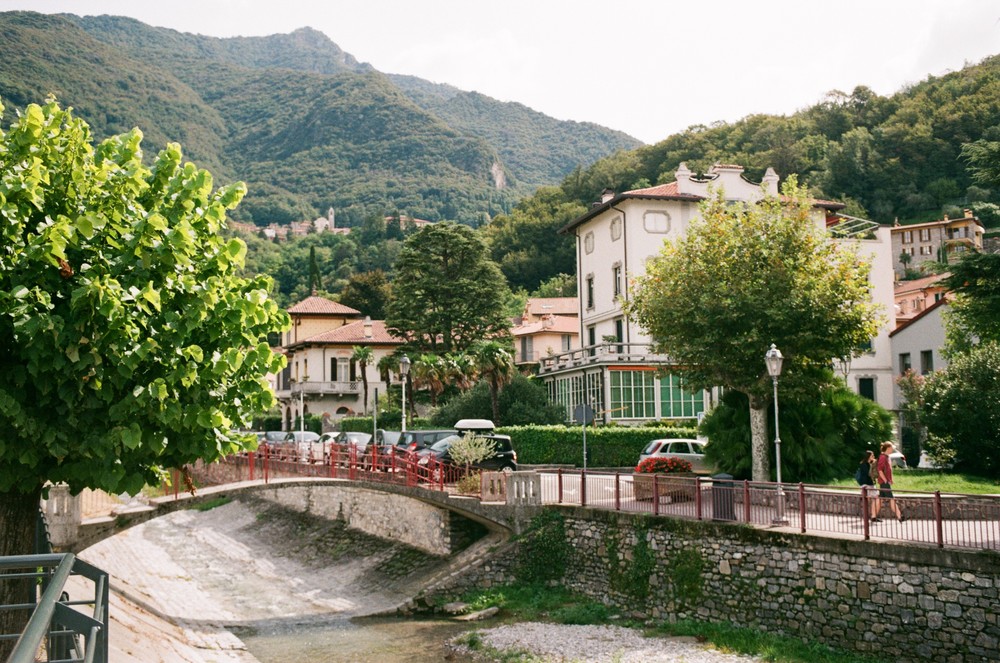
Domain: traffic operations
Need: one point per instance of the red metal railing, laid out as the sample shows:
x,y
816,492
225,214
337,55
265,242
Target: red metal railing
x,y
964,521
338,462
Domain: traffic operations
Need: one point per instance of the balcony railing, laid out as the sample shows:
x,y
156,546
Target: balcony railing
x,y
602,353
324,388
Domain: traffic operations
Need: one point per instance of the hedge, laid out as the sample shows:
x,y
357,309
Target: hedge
x,y
612,446
607,446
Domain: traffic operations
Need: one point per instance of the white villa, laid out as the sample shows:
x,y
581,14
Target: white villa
x,y
321,377
615,372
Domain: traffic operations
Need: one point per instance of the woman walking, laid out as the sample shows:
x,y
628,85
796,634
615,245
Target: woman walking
x,y
867,474
884,466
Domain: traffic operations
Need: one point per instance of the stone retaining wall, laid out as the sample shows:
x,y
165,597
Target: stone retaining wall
x,y
901,601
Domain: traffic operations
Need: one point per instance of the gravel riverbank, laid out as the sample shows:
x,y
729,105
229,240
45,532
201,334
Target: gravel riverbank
x,y
557,643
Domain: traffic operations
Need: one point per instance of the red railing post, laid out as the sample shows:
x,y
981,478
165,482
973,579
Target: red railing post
x,y
802,507
618,492
865,522
583,487
938,520
252,457
656,495
746,500
559,484
697,497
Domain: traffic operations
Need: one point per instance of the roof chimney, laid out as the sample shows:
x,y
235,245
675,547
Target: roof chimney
x,y
368,326
683,176
607,195
770,182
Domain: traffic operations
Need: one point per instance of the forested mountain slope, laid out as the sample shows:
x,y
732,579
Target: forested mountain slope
x,y
302,122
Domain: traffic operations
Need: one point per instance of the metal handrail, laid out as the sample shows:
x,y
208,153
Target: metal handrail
x,y
53,615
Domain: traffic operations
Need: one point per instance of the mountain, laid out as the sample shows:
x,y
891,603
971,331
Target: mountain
x,y
305,124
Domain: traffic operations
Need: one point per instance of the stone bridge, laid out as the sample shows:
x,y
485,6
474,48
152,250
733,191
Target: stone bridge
x,y
430,520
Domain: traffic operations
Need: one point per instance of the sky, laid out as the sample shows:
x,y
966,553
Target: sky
x,y
650,68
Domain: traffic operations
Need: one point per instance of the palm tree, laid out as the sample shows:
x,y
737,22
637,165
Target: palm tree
x,y
388,365
429,371
495,363
363,355
460,370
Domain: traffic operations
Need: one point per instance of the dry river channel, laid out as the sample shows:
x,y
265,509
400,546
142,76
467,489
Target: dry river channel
x,y
247,582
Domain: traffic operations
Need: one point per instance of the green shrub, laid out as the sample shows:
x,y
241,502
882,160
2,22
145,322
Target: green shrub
x,y
386,421
613,446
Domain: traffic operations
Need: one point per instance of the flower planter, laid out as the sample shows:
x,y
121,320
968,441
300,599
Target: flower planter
x,y
673,487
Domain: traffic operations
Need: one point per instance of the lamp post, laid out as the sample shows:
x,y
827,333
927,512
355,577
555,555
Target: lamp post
x,y
404,370
773,360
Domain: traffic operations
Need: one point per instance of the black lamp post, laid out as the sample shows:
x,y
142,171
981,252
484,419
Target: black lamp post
x,y
773,360
404,370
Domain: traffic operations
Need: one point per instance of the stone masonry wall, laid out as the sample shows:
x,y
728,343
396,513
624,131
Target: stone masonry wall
x,y
902,602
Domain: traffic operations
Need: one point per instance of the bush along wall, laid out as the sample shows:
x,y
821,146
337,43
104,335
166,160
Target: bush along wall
x,y
611,446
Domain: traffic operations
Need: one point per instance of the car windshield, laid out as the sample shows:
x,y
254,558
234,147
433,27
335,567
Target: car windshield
x,y
651,447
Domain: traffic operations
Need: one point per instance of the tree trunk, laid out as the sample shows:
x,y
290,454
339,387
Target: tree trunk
x,y
18,516
758,440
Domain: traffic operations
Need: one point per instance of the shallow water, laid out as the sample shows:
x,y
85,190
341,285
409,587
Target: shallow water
x,y
342,640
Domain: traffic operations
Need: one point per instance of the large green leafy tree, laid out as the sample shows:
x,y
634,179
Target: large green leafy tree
x,y
130,343
823,436
744,277
970,383
975,309
447,293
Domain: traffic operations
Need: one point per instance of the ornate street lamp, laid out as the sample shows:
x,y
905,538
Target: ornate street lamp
x,y
404,370
773,360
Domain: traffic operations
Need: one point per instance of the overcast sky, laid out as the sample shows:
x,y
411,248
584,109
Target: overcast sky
x,y
649,68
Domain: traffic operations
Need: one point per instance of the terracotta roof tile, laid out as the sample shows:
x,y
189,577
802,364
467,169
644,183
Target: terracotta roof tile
x,y
558,325
322,306
353,333
553,305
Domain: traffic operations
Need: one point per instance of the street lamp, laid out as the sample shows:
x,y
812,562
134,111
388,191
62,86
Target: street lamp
x,y
773,360
404,370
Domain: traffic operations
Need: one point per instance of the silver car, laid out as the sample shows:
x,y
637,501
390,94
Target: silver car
x,y
692,451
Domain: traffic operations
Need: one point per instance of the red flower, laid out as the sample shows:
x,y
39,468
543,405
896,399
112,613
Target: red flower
x,y
669,465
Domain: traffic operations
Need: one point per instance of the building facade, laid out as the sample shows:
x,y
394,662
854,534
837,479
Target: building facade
x,y
615,371
321,376
935,241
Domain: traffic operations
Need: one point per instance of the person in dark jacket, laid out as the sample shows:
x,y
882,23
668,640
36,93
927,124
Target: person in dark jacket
x,y
868,472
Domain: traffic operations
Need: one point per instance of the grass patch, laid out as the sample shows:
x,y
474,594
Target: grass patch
x,y
525,603
768,646
211,504
931,480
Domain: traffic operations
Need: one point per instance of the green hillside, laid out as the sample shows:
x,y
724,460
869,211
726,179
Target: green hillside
x,y
301,121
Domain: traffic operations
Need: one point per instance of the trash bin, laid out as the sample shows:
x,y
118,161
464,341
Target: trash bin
x,y
722,497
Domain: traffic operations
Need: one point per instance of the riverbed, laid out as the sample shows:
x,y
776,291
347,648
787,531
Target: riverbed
x,y
242,583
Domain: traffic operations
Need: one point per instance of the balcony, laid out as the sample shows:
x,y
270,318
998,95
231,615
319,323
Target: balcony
x,y
602,353
353,387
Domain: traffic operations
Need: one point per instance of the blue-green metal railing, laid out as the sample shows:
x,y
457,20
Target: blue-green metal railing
x,y
70,635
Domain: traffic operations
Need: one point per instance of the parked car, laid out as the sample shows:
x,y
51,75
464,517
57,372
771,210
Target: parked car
x,y
298,445
505,457
393,441
692,451
344,440
270,439
898,459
